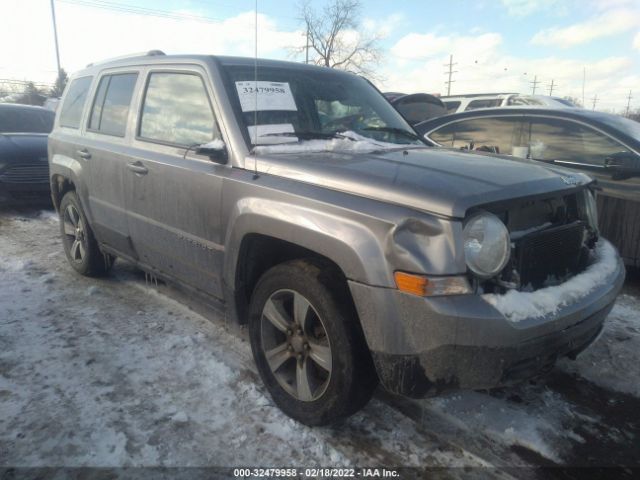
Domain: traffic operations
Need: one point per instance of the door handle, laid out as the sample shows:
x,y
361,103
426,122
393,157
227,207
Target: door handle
x,y
138,168
84,153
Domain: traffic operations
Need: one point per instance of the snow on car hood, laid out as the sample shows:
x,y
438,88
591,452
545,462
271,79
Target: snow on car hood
x,y
436,180
517,306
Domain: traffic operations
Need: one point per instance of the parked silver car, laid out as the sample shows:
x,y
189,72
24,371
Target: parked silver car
x,y
298,199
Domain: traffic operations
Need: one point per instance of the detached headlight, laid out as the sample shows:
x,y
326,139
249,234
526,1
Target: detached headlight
x,y
486,244
591,209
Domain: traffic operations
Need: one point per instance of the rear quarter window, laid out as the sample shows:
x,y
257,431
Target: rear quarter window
x,y
74,100
111,104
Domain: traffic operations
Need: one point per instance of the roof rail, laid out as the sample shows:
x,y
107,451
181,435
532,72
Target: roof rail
x,y
150,53
469,95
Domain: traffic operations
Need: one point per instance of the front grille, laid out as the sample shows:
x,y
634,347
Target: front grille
x,y
554,252
26,173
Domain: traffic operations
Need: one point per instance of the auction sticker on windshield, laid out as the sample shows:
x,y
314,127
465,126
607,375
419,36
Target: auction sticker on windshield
x,y
268,95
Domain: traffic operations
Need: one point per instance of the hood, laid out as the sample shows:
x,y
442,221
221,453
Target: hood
x,y
436,180
23,146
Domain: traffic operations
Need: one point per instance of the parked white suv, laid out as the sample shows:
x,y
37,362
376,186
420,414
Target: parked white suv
x,y
463,103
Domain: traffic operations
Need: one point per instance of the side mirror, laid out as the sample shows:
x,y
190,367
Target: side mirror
x,y
216,150
622,165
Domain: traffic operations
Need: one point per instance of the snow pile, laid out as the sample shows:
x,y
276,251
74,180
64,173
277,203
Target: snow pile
x,y
347,142
517,306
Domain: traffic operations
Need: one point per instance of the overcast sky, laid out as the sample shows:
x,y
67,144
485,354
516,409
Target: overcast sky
x,y
498,45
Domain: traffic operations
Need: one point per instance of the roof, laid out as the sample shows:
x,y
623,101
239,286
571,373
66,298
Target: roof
x,y
155,57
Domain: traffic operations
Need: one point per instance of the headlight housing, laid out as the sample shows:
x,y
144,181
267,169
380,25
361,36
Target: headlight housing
x,y
487,245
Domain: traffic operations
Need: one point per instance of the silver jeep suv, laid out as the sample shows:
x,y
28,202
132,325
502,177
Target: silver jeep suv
x,y
298,199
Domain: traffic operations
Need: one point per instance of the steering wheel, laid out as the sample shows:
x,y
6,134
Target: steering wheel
x,y
348,122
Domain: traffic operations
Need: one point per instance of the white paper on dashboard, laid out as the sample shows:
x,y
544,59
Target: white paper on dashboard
x,y
271,139
269,95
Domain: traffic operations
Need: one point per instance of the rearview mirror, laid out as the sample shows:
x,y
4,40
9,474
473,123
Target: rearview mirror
x,y
216,150
622,165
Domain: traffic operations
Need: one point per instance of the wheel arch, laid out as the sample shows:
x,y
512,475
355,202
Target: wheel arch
x,y
267,233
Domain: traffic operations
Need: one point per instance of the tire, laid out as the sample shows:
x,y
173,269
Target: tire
x,y
319,369
78,240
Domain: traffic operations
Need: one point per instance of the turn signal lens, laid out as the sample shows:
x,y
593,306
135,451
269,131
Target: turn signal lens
x,y
431,286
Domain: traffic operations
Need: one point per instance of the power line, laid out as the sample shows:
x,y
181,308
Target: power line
x,y
552,85
151,12
629,97
595,101
450,72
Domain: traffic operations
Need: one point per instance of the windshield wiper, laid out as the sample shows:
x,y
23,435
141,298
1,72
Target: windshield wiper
x,y
395,130
308,135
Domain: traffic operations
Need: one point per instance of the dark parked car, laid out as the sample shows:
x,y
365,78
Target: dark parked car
x,y
24,169
417,107
605,146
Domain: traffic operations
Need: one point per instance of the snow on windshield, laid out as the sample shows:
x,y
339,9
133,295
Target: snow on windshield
x,y
517,306
347,142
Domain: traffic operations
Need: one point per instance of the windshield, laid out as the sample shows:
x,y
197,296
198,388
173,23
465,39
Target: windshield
x,y
302,105
25,120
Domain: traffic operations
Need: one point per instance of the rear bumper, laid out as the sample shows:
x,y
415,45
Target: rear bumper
x,y
421,346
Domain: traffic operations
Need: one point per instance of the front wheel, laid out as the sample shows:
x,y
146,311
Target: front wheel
x,y
308,345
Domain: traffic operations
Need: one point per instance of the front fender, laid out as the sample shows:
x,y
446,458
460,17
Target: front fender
x,y
349,244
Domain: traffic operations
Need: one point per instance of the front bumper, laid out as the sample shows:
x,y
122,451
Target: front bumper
x,y
421,346
21,193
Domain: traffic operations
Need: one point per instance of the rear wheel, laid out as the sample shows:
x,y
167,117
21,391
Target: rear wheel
x,y
308,345
78,241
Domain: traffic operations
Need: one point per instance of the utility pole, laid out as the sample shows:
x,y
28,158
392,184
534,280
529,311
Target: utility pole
x,y
629,97
450,72
55,34
595,100
551,87
535,84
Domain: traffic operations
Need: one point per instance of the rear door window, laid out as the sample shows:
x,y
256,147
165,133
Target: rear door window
x,y
111,104
497,135
176,110
74,100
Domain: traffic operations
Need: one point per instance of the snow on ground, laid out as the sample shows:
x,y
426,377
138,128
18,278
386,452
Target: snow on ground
x,y
111,372
613,362
108,372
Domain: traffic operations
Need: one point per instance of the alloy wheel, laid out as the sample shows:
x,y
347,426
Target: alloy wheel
x,y
296,345
74,231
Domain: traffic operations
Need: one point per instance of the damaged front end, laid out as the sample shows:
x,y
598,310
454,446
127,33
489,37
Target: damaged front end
x,y
551,240
540,285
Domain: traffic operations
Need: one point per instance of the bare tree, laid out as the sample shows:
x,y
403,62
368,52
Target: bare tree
x,y
61,82
335,39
